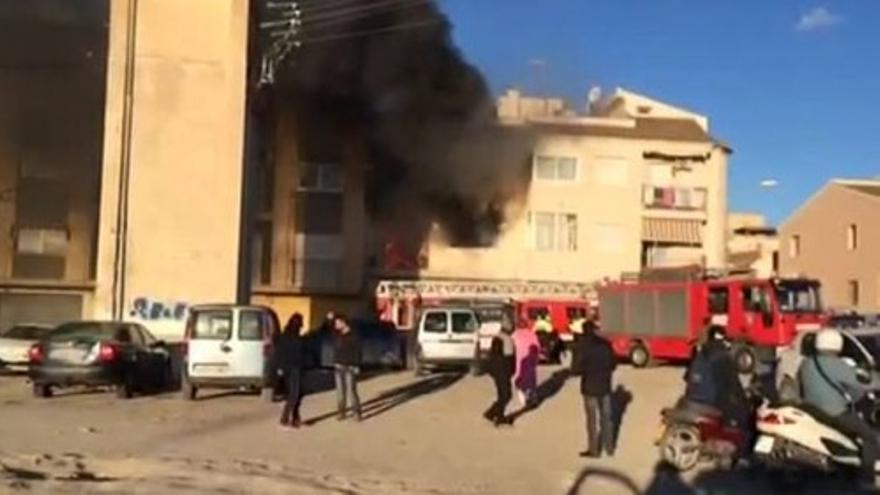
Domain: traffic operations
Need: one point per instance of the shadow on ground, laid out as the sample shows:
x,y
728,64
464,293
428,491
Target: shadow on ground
x,y
398,396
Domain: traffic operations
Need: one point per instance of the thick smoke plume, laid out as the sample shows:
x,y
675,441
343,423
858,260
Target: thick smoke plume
x,y
435,152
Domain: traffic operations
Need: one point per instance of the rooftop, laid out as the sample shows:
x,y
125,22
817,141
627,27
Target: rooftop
x,y
871,187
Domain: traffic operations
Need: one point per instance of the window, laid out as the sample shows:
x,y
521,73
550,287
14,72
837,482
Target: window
x,y
463,323
718,300
612,172
852,237
610,238
554,231
755,300
212,325
794,246
322,177
250,325
556,168
853,292
538,312
149,339
435,323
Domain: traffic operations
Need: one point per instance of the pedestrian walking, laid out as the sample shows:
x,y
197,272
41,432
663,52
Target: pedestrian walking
x,y
347,361
596,363
289,355
501,366
525,377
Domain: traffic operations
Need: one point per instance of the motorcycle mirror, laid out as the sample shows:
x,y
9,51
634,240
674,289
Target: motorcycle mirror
x,y
863,376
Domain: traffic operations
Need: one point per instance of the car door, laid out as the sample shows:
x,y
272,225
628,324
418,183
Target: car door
x,y
462,336
433,332
136,358
157,357
208,352
248,348
758,324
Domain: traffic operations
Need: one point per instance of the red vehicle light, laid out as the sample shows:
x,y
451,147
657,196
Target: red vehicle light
x,y
35,354
107,353
775,419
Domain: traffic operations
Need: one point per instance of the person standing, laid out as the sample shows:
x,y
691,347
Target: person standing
x,y
526,376
347,361
501,366
596,363
289,361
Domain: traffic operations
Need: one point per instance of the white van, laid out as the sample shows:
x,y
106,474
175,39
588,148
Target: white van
x,y
447,336
228,346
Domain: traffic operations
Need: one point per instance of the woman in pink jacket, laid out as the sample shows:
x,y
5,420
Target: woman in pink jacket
x,y
525,379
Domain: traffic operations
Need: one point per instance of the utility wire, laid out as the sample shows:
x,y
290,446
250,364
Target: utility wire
x,y
347,12
370,32
308,24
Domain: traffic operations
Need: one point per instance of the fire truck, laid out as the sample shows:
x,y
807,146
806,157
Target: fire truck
x,y
662,315
519,302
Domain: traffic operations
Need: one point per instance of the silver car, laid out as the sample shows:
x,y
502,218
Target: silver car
x,y
15,343
860,349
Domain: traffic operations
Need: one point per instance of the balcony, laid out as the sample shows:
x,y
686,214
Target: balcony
x,y
674,198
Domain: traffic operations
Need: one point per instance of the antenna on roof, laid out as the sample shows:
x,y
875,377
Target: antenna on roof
x,y
593,97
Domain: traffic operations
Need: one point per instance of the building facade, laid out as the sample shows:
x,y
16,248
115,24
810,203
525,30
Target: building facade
x,y
636,183
833,237
753,245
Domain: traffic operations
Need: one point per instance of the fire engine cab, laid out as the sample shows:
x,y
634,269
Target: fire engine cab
x,y
663,314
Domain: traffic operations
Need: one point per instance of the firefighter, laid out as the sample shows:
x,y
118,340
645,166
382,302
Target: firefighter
x,y
543,327
576,324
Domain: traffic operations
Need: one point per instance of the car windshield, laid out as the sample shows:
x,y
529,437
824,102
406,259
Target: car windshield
x,y
25,332
798,297
82,331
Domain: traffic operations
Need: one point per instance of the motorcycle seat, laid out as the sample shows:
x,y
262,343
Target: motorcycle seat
x,y
692,412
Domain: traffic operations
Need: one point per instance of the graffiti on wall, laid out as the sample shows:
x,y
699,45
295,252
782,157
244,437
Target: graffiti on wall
x,y
145,308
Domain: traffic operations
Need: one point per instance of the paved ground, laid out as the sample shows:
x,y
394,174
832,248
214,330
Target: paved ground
x,y
420,436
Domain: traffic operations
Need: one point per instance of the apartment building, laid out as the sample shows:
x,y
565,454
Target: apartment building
x,y
753,245
833,237
633,183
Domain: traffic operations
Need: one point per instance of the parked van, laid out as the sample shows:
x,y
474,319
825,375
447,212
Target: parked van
x,y
447,336
228,346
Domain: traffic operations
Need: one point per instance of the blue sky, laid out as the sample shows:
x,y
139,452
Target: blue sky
x,y
793,86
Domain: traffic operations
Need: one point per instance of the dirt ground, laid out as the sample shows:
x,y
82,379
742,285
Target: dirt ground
x,y
420,436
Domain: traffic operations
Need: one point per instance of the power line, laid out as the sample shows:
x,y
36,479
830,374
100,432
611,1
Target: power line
x,y
342,19
370,32
343,12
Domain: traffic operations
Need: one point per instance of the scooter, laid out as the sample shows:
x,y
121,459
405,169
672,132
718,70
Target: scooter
x,y
693,432
792,438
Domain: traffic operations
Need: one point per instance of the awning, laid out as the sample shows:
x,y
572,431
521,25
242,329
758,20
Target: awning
x,y
672,230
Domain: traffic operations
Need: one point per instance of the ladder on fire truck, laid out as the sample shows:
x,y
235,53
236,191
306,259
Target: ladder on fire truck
x,y
483,289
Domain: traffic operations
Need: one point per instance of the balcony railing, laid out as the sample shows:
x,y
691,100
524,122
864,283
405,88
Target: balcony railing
x,y
674,198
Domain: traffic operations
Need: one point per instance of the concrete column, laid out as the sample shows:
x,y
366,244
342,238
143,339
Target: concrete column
x,y
283,211
187,139
353,216
8,172
715,242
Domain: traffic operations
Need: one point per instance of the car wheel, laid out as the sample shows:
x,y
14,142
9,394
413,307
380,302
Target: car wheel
x,y
125,390
43,391
639,355
188,389
745,359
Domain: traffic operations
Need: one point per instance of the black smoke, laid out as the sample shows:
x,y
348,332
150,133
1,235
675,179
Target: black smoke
x,y
427,117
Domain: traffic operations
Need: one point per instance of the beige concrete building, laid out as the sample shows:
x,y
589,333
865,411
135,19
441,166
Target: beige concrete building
x,y
122,171
753,245
833,237
635,183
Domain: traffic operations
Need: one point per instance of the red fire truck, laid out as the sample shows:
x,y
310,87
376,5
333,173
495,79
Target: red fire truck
x,y
522,302
663,314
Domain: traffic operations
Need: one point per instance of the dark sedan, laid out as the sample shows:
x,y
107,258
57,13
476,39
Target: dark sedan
x,y
122,355
382,346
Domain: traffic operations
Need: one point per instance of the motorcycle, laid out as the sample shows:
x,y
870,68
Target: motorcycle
x,y
693,432
792,438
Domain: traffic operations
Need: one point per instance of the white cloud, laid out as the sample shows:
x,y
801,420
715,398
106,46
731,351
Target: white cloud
x,y
816,19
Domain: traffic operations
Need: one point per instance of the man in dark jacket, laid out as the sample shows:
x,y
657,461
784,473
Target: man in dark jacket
x,y
289,355
596,363
347,361
712,379
501,366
